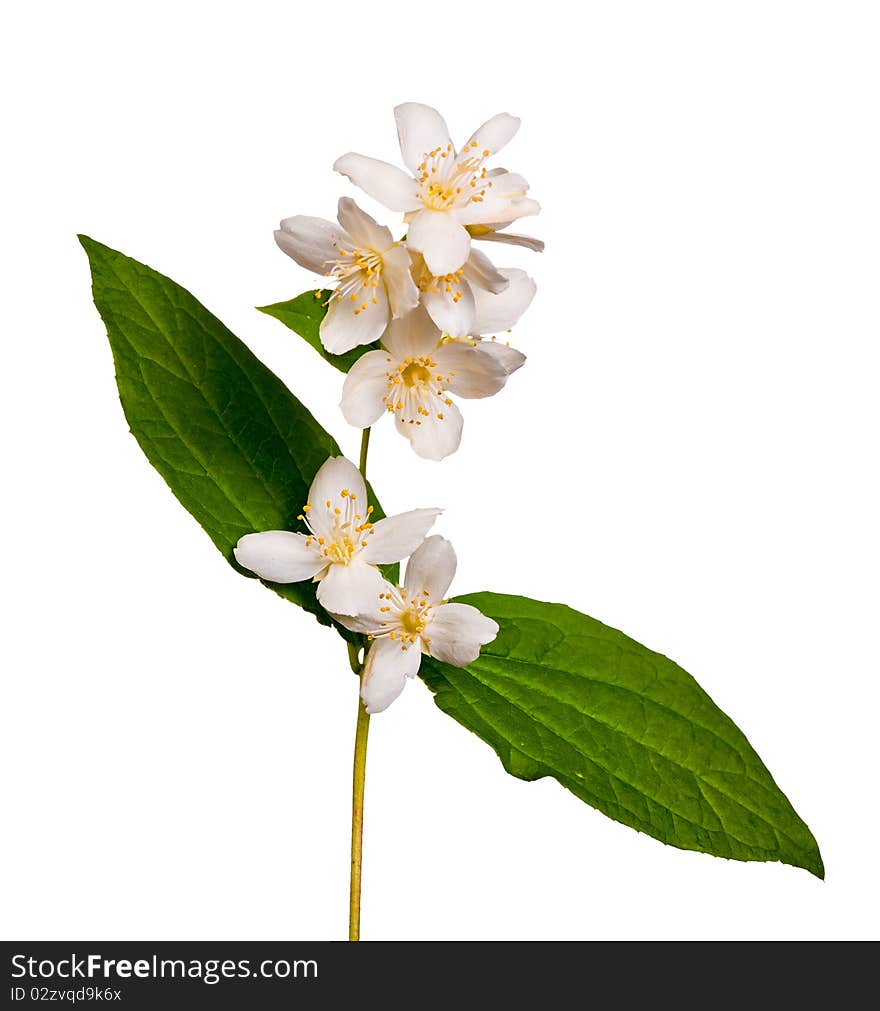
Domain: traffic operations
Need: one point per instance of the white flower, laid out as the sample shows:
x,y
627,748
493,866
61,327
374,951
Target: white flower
x,y
406,621
373,271
343,546
447,190
450,298
411,377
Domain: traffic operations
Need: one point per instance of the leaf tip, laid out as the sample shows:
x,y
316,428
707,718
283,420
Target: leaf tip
x,y
807,857
816,865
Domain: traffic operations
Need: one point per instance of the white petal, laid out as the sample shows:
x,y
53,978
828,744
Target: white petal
x,y
511,238
453,317
467,373
500,208
456,633
494,134
403,295
348,324
397,537
411,336
279,556
420,130
386,183
495,313
370,619
365,231
430,436
509,184
386,668
350,589
507,357
441,239
312,242
335,475
364,387
482,273
431,568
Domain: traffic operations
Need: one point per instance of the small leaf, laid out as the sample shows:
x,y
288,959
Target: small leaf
x,y
624,728
235,446
303,315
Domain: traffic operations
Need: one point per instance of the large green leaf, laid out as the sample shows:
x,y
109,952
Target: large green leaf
x,y
234,445
625,729
303,315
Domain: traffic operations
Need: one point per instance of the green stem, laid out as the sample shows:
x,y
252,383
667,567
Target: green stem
x,y
357,820
365,445
359,772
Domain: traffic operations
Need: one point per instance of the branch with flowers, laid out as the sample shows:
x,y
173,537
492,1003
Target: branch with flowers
x,y
413,324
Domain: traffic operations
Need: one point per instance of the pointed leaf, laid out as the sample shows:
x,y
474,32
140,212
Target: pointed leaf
x,y
624,728
235,446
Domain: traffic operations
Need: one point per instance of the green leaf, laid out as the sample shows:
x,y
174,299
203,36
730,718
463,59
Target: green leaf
x,y
625,729
303,315
235,446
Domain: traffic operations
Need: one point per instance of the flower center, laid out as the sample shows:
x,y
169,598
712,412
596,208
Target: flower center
x,y
341,534
448,180
447,284
413,621
404,620
416,374
415,390
358,272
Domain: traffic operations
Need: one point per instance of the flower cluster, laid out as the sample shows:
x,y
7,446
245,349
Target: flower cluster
x,y
341,552
430,301
430,298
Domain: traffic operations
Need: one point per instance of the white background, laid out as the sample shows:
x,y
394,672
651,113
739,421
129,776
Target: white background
x,y
689,455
